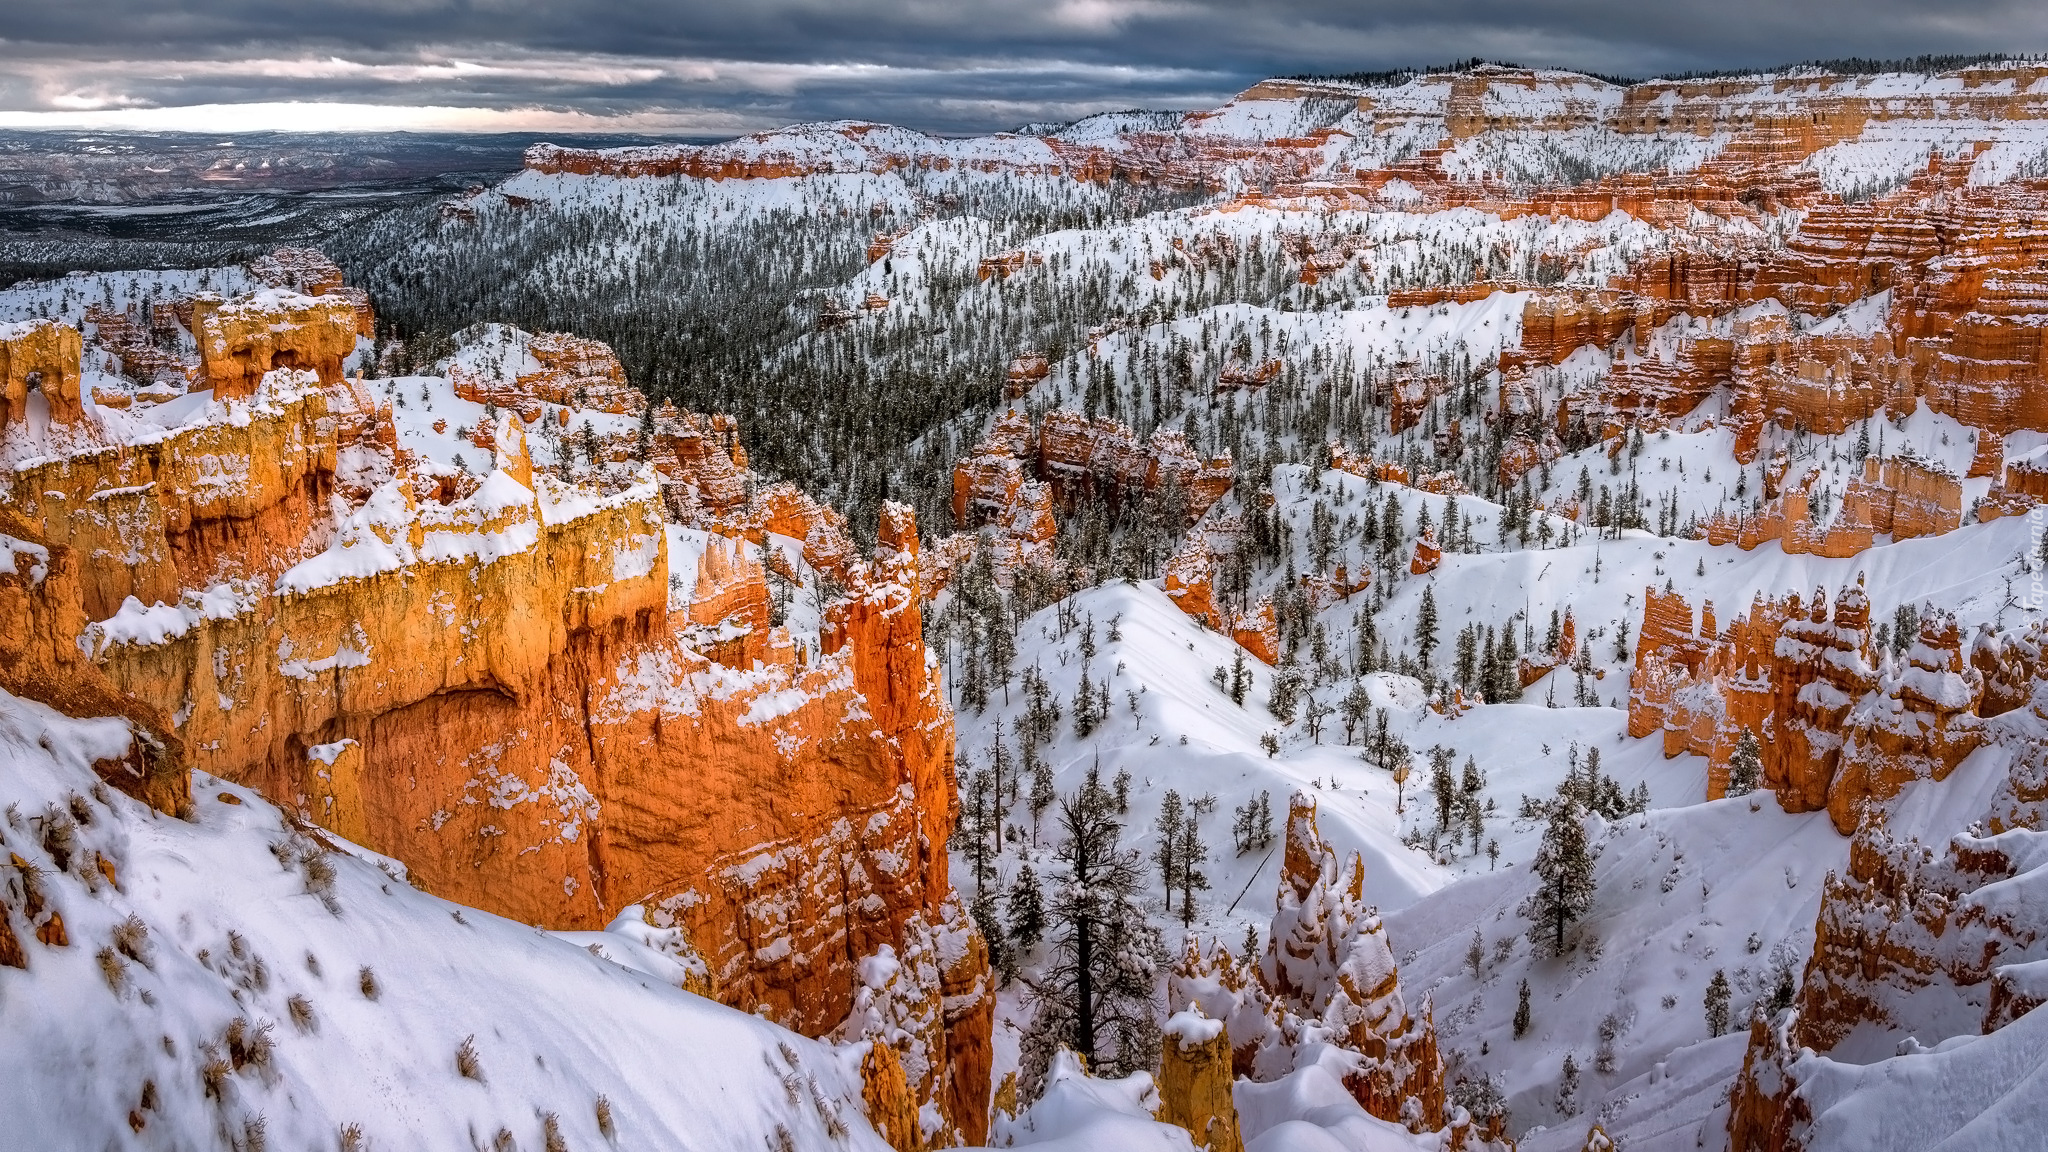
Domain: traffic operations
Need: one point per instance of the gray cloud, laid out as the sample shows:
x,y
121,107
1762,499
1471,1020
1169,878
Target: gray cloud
x,y
942,65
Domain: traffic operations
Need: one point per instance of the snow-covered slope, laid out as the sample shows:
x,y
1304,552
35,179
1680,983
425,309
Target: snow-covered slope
x,y
242,981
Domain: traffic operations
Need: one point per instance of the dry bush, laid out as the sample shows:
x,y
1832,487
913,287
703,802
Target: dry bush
x,y
604,1118
367,979
320,880
302,1013
466,1061
113,969
551,1133
213,1073
248,1045
60,837
352,1138
131,939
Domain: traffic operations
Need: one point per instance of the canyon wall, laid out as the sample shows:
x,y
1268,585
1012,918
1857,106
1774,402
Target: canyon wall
x,y
1842,724
493,679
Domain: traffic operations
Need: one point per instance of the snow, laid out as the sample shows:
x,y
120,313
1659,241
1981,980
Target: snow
x,y
233,935
1079,1113
1191,1028
159,623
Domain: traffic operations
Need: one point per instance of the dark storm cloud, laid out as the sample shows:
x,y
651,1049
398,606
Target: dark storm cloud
x,y
967,65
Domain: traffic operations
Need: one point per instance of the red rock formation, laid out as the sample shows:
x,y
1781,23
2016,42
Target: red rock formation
x,y
497,685
1003,265
310,272
1076,459
1194,1082
1427,554
1904,938
1025,371
1821,668
241,340
1920,726
1327,960
1536,665
1836,731
701,462
572,372
42,357
41,597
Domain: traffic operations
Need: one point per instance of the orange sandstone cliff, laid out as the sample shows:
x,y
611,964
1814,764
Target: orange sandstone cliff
x,y
494,679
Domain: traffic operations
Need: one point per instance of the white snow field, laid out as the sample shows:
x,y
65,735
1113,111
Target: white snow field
x,y
285,989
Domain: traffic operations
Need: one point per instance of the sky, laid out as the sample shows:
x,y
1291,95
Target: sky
x,y
726,67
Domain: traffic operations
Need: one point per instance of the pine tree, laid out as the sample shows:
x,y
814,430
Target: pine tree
x,y
1717,1003
1042,795
1425,624
999,766
1265,825
1356,706
1095,995
1121,786
1465,668
1240,678
979,832
1564,867
1027,909
1285,693
1745,766
1443,784
1508,681
1522,1011
986,918
1191,853
1167,828
1568,1086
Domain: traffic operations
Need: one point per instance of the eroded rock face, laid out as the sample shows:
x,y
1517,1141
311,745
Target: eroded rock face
x,y
526,373
1327,976
42,357
240,341
41,597
1915,945
495,682
1840,726
1194,1082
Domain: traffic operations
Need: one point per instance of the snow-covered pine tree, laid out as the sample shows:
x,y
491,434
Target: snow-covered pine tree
x,y
984,910
1354,709
1745,765
979,830
1425,624
1564,868
1042,794
1444,785
1026,908
1191,853
1095,995
1717,1003
1167,828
